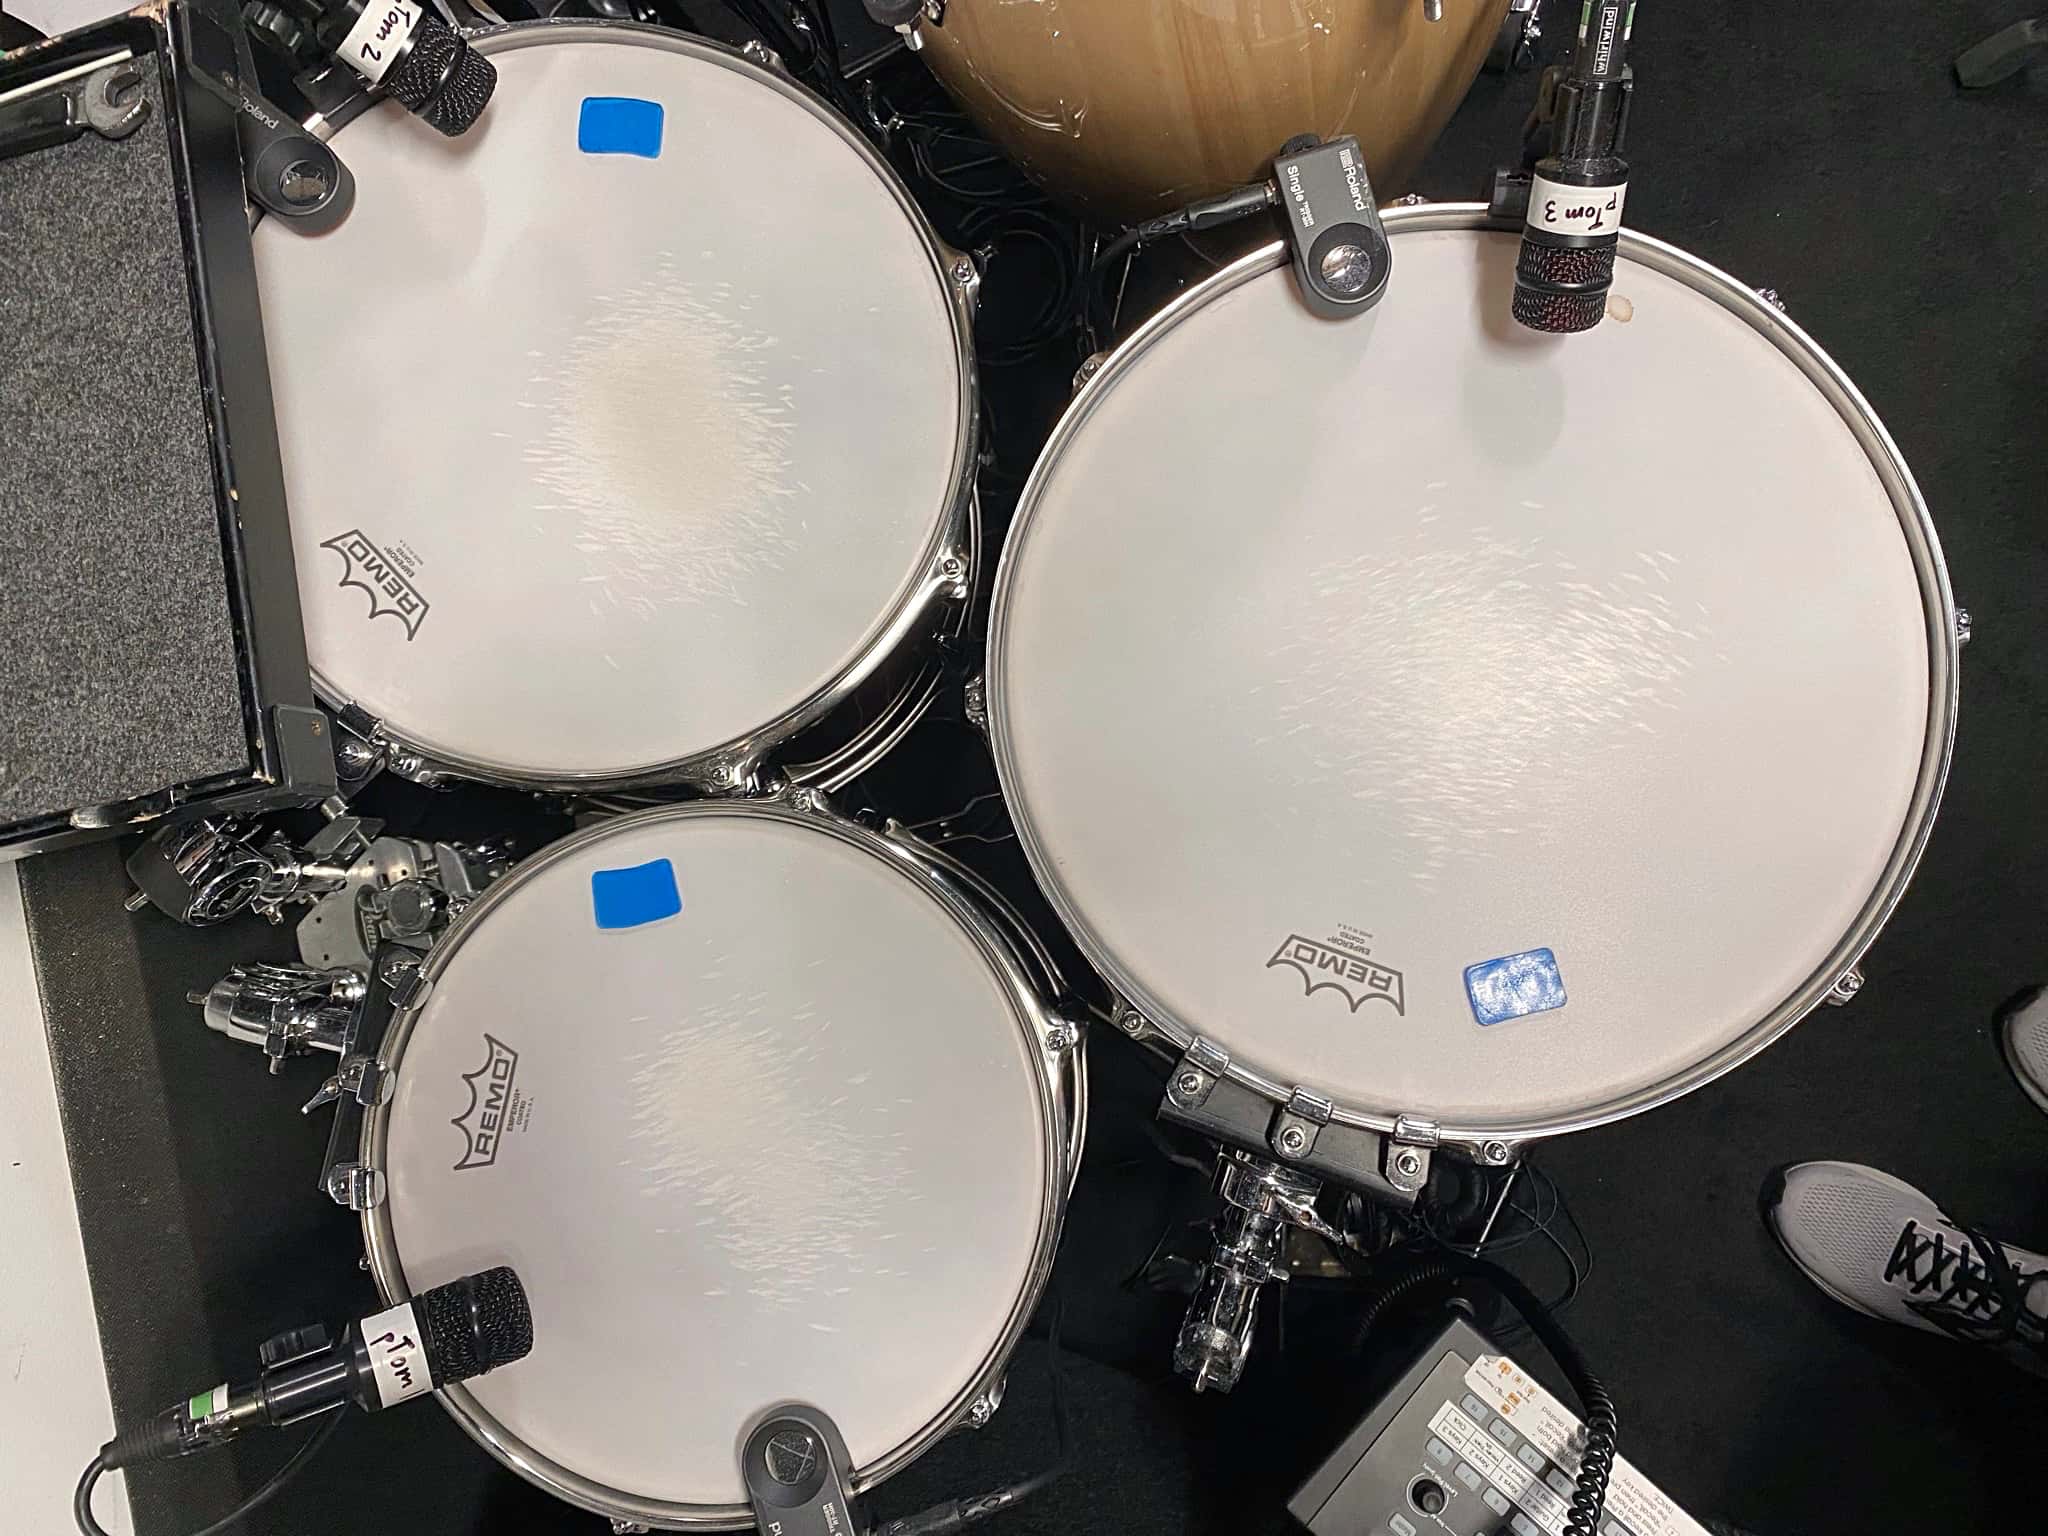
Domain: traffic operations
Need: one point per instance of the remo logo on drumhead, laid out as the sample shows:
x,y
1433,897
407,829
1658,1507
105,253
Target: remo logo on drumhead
x,y
1341,965
494,1108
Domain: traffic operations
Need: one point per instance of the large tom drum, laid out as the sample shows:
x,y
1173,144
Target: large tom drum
x,y
1451,724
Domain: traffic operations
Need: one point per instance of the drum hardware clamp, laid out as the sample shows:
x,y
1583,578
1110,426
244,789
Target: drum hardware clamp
x,y
1261,1201
1962,627
1091,365
1846,986
285,1010
1770,297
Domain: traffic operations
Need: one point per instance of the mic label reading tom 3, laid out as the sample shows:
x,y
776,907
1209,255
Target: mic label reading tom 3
x,y
1558,208
398,1361
380,34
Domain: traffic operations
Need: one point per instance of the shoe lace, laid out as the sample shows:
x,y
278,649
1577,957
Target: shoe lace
x,y
1970,1290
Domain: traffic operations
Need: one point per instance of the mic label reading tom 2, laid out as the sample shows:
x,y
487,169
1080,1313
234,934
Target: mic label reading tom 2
x,y
1559,208
398,1360
380,34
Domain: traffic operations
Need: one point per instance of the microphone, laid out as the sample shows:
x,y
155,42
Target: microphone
x,y
418,59
445,1335
1566,264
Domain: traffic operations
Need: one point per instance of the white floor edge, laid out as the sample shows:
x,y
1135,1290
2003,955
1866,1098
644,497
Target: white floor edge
x,y
54,1407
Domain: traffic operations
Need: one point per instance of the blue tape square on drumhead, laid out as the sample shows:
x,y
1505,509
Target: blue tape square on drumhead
x,y
619,125
1514,986
631,898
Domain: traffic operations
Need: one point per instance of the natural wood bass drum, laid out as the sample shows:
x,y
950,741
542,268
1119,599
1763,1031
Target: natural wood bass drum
x,y
1127,108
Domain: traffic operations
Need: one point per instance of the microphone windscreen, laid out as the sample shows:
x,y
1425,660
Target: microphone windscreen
x,y
475,1324
1562,289
442,79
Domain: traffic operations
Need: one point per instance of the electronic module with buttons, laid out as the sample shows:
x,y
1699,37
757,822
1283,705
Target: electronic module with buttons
x,y
1467,1443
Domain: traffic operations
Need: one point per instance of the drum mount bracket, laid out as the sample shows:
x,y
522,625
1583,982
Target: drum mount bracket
x,y
1298,1132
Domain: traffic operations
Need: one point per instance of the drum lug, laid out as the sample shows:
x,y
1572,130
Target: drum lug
x,y
356,1186
1061,1036
984,1406
404,981
1406,1168
754,51
1130,1021
956,571
807,798
1407,200
974,703
963,274
1770,297
1091,365
629,1527
1846,986
1197,1072
361,1078
1297,1123
1962,627
1405,1158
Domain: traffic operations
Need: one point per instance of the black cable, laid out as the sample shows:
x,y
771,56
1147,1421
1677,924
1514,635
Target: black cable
x,y
1204,213
955,1513
1596,1458
81,1502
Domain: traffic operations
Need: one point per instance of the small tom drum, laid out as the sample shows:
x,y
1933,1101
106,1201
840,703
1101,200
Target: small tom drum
x,y
1431,720
629,436
762,1108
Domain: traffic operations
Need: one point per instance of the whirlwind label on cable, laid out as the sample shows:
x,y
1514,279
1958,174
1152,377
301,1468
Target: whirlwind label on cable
x,y
1342,965
385,573
495,1106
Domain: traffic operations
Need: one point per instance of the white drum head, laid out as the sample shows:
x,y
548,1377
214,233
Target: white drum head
x,y
609,442
789,1142
1466,723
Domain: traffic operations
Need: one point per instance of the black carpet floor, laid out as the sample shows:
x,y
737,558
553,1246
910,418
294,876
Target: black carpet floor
x,y
1820,149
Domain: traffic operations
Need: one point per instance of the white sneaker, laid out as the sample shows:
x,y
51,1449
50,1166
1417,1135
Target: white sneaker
x,y
1879,1245
2023,1036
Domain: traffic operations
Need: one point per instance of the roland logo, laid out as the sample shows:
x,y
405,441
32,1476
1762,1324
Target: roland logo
x,y
484,1123
1354,179
1343,966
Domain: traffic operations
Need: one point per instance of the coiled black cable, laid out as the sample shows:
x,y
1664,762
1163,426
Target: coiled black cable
x,y
1438,1272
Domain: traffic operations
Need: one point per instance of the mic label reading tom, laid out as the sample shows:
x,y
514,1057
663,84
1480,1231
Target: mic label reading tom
x,y
1559,208
379,36
398,1361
